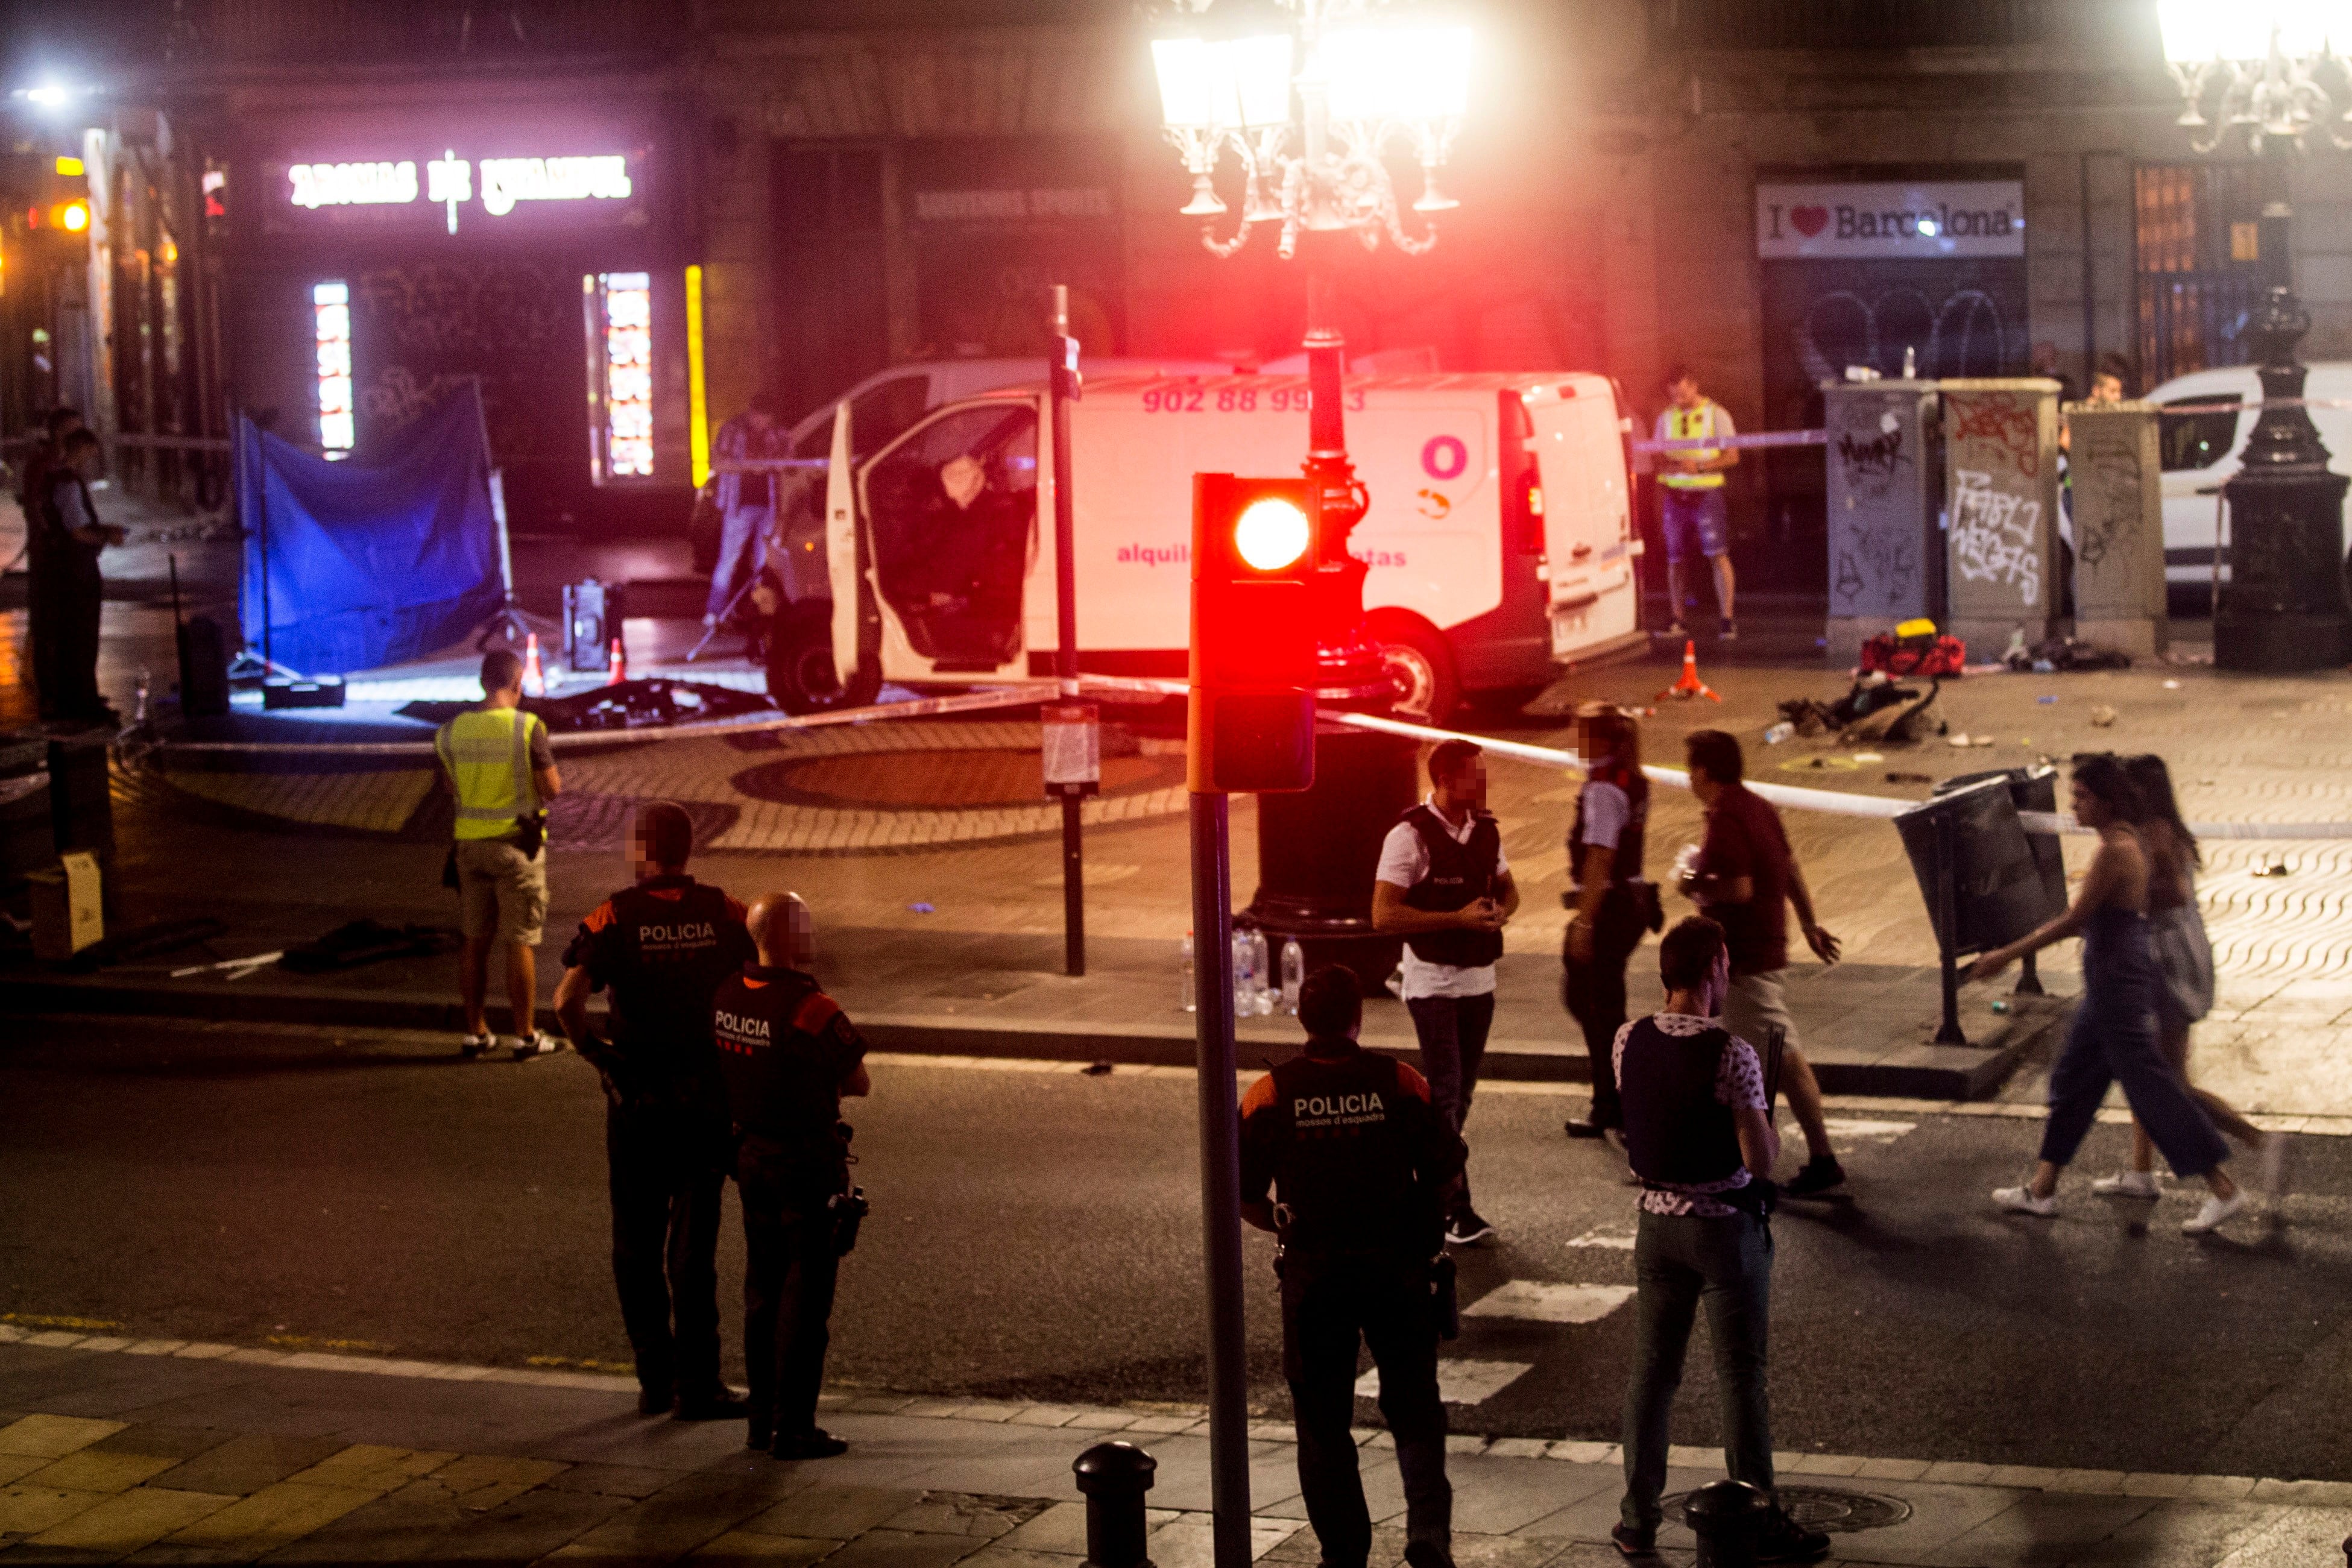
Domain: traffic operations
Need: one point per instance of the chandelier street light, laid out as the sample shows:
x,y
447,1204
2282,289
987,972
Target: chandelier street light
x,y
2261,69
1365,79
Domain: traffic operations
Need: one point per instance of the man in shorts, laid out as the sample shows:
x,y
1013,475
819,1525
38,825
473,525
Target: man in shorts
x,y
1691,509
497,762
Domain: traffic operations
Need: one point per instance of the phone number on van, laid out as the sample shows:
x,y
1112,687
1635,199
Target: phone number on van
x,y
1236,400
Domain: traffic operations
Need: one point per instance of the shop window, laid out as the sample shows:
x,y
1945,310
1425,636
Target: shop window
x,y
620,372
2198,260
331,310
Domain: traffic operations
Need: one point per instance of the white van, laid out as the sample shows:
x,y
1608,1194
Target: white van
x,y
1499,541
2199,451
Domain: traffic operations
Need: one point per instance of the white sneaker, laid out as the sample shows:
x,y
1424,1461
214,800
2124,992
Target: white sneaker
x,y
2021,1200
538,1043
2130,1183
2216,1210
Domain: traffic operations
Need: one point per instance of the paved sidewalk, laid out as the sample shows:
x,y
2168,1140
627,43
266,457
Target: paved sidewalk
x,y
161,1451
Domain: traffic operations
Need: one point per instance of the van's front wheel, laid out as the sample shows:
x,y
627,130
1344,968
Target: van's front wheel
x,y
800,664
1420,665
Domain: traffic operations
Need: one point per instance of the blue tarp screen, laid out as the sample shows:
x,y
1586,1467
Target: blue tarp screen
x,y
368,565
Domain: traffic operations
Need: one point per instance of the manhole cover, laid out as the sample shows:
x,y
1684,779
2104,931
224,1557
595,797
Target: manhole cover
x,y
1820,1507
947,780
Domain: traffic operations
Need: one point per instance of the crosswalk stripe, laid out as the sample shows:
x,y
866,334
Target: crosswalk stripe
x,y
1858,1130
1545,1301
1460,1382
1615,1241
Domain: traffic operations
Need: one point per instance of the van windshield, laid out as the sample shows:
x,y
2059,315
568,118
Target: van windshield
x,y
2197,440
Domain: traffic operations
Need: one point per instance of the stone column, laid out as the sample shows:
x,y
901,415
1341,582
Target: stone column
x,y
2118,527
2000,465
1885,488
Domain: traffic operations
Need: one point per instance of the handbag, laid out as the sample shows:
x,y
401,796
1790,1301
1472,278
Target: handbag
x,y
2184,957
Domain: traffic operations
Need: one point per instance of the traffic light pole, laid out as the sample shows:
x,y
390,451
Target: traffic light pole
x,y
1221,1178
1066,652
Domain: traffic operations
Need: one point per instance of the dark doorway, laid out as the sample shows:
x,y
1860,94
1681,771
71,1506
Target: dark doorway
x,y
831,313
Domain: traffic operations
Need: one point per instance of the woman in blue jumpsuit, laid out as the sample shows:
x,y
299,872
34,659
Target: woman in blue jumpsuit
x,y
2112,1035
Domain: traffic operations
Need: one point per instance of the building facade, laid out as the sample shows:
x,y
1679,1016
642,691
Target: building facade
x,y
808,191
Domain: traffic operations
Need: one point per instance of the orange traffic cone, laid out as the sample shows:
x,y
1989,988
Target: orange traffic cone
x,y
1689,685
534,683
620,670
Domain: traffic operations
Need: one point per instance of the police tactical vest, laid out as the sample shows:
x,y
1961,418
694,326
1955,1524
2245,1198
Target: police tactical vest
x,y
783,1083
673,940
1626,864
487,751
1676,1131
1345,1170
1459,874
1692,424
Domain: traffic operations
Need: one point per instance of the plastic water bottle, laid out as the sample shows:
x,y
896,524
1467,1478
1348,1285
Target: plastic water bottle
x,y
1779,733
1262,993
1184,981
1241,974
1294,974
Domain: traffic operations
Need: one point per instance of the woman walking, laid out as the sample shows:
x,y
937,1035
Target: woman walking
x,y
2184,961
2112,1035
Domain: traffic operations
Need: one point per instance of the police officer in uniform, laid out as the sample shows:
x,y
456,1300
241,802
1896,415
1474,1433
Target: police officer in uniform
x,y
1359,1162
662,946
1700,1138
1445,885
1615,902
789,1054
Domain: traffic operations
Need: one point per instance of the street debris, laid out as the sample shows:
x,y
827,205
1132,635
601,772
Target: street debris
x,y
923,908
2276,868
2103,715
1899,778
2172,685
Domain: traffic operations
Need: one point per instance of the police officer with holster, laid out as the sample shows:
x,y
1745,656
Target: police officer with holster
x,y
1359,1162
662,946
789,1054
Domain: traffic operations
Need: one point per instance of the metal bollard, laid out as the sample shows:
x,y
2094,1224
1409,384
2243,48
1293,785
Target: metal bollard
x,y
1114,1477
1726,1516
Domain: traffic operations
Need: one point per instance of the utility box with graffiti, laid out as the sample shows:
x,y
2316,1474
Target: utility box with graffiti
x,y
2000,507
1886,475
2117,513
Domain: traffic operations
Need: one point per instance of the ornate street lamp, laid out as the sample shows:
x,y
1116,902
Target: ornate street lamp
x,y
1309,97
2261,67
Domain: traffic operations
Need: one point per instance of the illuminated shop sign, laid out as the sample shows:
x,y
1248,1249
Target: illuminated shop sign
x,y
453,182
621,361
331,307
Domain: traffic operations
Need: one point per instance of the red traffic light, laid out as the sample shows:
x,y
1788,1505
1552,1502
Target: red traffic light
x,y
1251,711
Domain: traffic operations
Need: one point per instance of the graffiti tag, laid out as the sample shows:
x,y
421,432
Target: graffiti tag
x,y
1993,535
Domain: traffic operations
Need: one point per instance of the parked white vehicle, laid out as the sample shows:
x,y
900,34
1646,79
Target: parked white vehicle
x,y
1500,543
2200,451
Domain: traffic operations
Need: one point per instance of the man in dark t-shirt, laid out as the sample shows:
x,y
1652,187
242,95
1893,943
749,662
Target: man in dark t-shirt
x,y
1746,879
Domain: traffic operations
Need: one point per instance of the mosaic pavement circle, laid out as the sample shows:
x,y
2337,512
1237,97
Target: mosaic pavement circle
x,y
943,780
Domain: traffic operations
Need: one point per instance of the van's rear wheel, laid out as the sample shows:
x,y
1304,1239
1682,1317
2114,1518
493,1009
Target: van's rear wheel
x,y
1420,665
801,675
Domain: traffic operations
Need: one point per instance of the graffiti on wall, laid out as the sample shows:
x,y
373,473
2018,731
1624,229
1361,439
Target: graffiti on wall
x,y
1996,535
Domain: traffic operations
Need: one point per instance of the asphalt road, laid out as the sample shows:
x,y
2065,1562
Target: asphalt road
x,y
1036,1234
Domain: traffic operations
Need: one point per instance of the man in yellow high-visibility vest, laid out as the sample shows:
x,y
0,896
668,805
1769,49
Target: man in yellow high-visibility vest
x,y
1691,510
497,762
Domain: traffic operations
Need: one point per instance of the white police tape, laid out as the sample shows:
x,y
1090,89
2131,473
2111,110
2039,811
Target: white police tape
x,y
1762,440
1836,802
916,707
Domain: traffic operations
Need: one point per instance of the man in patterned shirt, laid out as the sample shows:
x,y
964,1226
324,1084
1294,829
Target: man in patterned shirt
x,y
1699,1136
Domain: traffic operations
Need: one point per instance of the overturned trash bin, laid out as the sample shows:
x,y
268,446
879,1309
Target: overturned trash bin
x,y
2030,790
1982,881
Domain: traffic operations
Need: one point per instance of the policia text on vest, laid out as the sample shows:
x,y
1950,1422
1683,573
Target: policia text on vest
x,y
497,764
1346,1159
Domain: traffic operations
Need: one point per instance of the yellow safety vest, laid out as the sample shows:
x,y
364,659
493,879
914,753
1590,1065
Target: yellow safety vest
x,y
1692,424
487,751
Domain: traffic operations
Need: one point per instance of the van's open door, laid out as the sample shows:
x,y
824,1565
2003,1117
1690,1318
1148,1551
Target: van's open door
x,y
841,547
949,512
1588,519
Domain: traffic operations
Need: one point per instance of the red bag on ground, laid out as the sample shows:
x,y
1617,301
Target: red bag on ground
x,y
1929,655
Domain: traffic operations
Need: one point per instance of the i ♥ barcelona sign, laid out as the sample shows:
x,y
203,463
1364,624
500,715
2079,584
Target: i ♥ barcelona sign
x,y
1924,220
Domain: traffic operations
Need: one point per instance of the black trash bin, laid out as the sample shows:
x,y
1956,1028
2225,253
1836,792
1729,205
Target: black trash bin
x,y
1983,883
81,802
